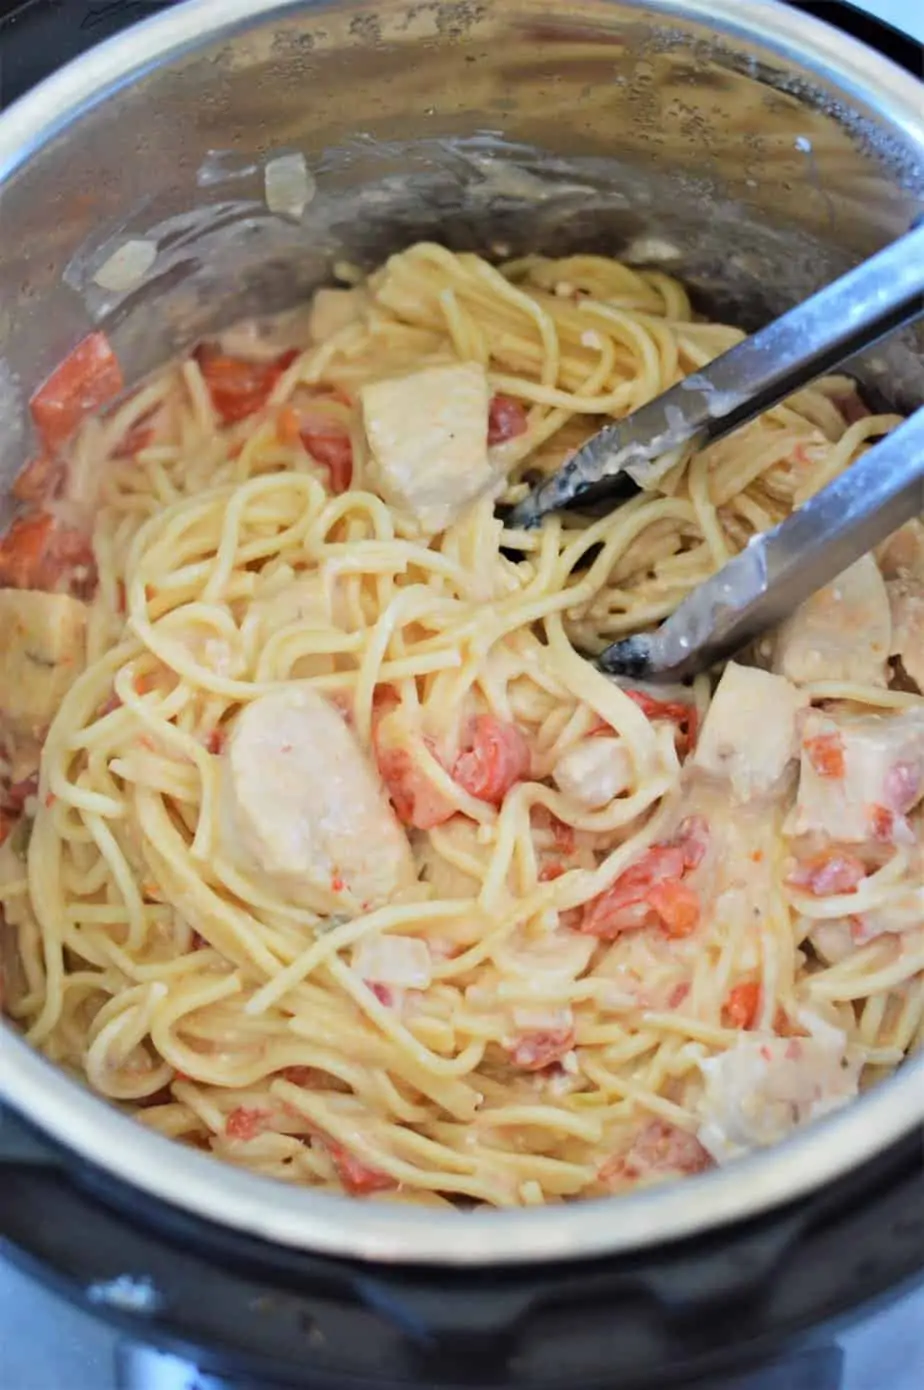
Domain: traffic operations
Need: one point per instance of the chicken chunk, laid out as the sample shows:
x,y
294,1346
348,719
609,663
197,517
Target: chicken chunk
x,y
428,433
761,1089
302,807
842,633
859,777
906,600
333,309
43,644
594,771
749,734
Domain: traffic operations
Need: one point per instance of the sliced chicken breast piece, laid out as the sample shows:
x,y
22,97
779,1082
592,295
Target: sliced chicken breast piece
x,y
842,633
428,433
594,771
860,776
302,806
749,735
906,600
761,1089
43,646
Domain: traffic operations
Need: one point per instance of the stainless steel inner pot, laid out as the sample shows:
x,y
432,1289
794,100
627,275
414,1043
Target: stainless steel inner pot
x,y
745,147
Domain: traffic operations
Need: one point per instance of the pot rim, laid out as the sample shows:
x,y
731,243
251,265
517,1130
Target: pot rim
x,y
380,1232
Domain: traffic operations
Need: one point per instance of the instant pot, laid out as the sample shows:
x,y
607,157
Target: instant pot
x,y
753,148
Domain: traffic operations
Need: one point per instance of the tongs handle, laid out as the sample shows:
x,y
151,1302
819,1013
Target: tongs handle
x,y
854,312
776,571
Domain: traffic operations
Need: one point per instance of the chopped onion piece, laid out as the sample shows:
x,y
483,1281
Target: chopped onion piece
x,y
288,184
127,266
403,961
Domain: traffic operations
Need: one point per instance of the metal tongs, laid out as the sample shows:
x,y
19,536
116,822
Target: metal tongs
x,y
779,569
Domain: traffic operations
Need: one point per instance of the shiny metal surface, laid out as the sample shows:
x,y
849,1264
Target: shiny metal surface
x,y
870,301
760,587
747,148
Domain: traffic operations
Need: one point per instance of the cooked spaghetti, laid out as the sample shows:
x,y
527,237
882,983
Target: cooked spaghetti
x,y
327,852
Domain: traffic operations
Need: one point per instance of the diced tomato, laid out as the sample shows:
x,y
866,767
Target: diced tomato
x,y
536,1051
239,388
416,800
246,1123
626,906
740,1008
38,553
216,741
826,754
288,425
829,873
684,716
677,995
333,448
358,1178
496,759
506,419
40,480
383,994
677,905
881,822
88,377
657,1148
549,872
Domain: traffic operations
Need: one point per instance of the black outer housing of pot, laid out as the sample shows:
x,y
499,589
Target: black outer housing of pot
x,y
267,1316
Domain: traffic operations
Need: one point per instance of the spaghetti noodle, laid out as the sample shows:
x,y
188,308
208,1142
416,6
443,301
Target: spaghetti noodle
x,y
557,953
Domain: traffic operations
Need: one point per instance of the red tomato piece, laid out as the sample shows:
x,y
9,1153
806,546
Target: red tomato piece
x,y
506,419
536,1051
657,1148
40,480
88,377
239,388
677,995
216,741
496,759
332,448
37,553
740,1008
246,1122
826,754
829,873
677,905
626,906
684,716
358,1178
549,872
416,800
882,822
